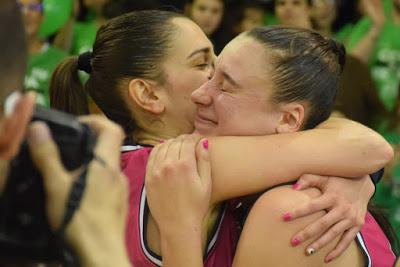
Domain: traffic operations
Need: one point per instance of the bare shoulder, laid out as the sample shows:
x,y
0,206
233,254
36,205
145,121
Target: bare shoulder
x,y
265,239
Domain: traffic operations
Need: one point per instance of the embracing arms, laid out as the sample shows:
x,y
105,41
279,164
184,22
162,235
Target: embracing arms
x,y
337,147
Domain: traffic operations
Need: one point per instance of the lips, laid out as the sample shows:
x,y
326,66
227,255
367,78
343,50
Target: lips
x,y
204,119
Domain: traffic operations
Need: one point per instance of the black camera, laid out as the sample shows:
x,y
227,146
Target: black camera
x,y
24,230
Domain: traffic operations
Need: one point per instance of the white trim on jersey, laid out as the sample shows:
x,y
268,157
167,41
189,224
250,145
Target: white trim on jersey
x,y
364,249
141,227
153,259
130,148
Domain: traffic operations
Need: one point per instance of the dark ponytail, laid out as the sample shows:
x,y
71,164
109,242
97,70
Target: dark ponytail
x,y
66,90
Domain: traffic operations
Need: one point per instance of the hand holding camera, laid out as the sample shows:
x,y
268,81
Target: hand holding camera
x,y
73,197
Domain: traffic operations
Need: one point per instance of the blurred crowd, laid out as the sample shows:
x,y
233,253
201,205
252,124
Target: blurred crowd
x,y
369,30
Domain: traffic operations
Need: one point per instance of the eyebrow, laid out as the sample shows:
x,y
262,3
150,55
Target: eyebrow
x,y
230,79
205,50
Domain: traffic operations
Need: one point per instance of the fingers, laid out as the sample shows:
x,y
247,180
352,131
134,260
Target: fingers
x,y
310,180
320,226
188,149
343,244
152,159
319,204
109,139
203,162
45,156
333,233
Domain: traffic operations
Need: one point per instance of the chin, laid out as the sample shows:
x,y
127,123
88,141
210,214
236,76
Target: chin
x,y
204,131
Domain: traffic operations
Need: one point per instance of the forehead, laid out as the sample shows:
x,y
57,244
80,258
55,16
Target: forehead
x,y
187,38
209,3
246,60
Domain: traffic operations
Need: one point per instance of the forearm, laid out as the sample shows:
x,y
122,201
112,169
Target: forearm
x,y
182,249
350,150
365,47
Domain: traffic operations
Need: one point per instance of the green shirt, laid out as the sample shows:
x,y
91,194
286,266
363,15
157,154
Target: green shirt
x,y
344,33
84,36
40,68
385,59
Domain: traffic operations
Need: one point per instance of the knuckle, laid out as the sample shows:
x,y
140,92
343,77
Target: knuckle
x,y
324,223
335,232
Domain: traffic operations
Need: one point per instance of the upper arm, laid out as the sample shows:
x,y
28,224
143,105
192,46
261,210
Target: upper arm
x,y
265,239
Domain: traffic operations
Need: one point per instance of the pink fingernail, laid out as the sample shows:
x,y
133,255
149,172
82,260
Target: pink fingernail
x,y
295,242
296,186
205,144
328,259
287,217
162,141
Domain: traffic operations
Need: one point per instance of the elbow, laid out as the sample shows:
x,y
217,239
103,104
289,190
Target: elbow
x,y
387,153
381,151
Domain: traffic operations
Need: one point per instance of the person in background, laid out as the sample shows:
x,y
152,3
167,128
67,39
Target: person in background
x,y
293,13
374,40
43,57
248,15
90,18
357,97
209,15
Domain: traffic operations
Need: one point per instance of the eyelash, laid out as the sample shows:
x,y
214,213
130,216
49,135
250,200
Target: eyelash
x,y
203,66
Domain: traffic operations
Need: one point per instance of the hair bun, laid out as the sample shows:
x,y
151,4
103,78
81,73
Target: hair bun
x,y
84,62
340,52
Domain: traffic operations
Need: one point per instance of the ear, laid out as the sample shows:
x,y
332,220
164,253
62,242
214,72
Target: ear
x,y
143,93
292,118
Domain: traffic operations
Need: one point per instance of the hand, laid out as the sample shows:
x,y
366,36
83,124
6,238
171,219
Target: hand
x,y
178,183
374,10
345,201
12,132
97,229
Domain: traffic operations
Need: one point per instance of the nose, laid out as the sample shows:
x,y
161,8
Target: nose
x,y
201,96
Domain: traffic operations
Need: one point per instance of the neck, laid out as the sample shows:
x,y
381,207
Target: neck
x,y
34,45
156,133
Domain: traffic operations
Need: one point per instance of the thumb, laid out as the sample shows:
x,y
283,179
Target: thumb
x,y
46,157
203,161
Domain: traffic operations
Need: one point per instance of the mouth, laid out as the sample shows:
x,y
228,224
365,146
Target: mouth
x,y
204,120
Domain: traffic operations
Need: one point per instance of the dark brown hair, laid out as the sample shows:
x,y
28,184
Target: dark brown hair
x,y
307,67
129,46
